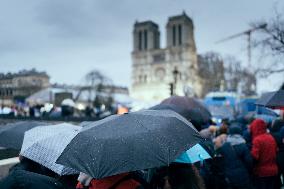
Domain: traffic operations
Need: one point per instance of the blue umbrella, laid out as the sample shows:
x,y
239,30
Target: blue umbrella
x,y
194,154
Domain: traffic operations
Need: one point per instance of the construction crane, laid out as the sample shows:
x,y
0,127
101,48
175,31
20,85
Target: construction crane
x,y
248,34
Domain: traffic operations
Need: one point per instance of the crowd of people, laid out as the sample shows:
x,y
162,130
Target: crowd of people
x,y
246,154
52,111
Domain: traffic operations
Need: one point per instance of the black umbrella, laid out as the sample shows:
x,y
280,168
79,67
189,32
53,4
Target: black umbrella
x,y
12,134
189,104
272,99
191,115
129,142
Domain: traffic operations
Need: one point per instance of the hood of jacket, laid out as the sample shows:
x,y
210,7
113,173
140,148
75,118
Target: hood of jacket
x,y
257,127
235,139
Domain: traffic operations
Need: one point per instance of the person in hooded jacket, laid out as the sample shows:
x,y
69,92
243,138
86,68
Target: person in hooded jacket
x,y
236,140
237,160
264,149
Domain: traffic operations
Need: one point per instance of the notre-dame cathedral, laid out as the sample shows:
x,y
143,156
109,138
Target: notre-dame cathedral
x,y
157,72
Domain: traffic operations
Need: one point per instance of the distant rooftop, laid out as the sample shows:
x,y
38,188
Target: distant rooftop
x,y
182,16
149,23
179,17
10,75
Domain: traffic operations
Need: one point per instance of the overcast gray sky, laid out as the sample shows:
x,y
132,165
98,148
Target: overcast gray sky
x,y
67,38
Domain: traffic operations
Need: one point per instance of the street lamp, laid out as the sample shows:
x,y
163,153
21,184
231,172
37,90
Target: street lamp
x,y
175,73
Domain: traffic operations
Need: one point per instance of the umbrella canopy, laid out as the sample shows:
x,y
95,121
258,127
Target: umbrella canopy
x,y
129,142
191,115
44,145
189,104
194,154
12,134
272,99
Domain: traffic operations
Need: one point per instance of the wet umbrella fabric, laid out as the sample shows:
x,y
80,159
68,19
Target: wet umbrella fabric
x,y
12,134
191,115
129,142
45,144
189,104
194,154
272,99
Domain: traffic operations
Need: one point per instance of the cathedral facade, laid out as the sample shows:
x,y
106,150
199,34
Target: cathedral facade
x,y
159,72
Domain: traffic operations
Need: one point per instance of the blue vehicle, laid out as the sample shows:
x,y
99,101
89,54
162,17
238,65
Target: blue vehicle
x,y
222,105
246,106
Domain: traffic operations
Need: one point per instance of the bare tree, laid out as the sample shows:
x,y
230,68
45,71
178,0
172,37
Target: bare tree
x,y
210,71
237,78
100,87
95,78
227,74
233,71
271,43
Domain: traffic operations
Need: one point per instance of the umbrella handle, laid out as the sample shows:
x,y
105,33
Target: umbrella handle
x,y
201,159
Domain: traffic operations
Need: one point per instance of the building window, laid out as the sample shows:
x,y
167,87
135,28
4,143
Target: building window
x,y
179,34
174,35
157,40
157,58
145,39
140,40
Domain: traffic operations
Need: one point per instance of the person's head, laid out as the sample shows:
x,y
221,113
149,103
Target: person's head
x,y
212,129
257,127
235,130
223,129
225,122
209,133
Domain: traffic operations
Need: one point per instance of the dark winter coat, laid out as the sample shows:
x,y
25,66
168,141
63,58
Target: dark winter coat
x,y
280,154
241,150
237,160
264,149
248,138
21,179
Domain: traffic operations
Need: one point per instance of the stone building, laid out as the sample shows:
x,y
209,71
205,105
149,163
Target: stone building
x,y
156,69
18,86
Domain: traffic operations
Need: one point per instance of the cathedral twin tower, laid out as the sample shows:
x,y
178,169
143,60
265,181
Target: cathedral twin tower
x,y
155,68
